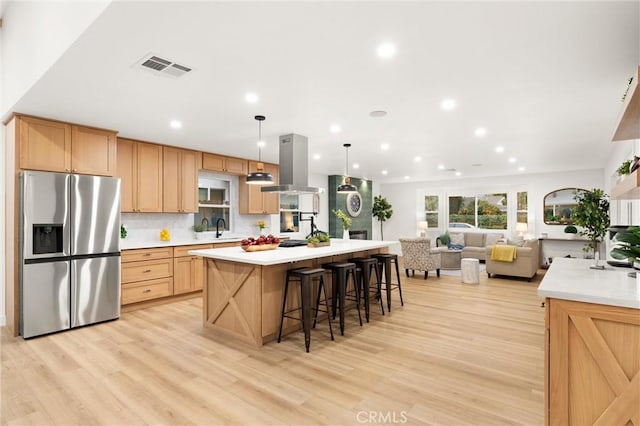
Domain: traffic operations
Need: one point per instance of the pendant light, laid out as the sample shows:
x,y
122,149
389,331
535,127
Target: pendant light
x,y
259,177
347,187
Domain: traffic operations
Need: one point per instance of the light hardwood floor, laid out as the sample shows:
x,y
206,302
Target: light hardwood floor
x,y
453,355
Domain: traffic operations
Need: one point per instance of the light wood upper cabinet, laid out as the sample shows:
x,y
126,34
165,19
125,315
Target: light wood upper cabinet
x,y
140,170
44,144
180,180
252,200
628,124
60,147
93,151
220,163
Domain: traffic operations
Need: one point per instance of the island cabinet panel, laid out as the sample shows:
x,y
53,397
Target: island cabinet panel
x,y
593,364
232,303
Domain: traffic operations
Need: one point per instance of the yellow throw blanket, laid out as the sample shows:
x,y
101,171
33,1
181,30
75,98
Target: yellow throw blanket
x,y
503,253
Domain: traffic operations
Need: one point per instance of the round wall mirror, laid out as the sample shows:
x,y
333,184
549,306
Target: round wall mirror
x,y
559,205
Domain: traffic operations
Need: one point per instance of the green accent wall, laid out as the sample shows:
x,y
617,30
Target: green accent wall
x,y
362,222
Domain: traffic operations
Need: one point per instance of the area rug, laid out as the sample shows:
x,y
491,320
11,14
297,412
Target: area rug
x,y
457,272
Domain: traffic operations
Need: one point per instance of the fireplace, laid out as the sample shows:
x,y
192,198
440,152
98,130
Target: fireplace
x,y
358,235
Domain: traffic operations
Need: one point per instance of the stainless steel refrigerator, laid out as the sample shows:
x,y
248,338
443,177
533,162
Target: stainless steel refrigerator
x,y
70,251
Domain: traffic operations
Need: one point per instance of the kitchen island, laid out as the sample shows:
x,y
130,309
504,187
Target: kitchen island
x,y
243,291
592,344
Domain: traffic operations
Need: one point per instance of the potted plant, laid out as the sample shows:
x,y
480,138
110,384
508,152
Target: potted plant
x,y
197,229
592,214
319,240
382,210
629,247
346,223
571,231
624,169
444,240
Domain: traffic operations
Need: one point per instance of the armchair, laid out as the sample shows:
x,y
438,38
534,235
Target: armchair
x,y
417,255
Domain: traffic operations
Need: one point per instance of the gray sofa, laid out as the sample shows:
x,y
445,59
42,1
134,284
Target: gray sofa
x,y
475,243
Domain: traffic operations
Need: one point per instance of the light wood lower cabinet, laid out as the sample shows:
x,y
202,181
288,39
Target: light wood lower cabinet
x,y
147,279
188,270
162,272
593,364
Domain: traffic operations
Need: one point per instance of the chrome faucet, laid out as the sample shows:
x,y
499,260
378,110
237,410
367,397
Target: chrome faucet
x,y
205,221
224,225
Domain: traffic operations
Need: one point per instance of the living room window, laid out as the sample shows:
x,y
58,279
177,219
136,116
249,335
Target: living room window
x,y
431,210
483,211
522,211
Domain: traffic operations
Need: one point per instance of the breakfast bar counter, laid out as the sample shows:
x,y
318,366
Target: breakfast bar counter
x,y
243,291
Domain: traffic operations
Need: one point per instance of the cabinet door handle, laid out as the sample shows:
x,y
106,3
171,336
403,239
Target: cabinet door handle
x,y
147,254
146,290
146,270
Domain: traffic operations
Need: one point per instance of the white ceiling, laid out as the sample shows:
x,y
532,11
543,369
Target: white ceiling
x,y
544,78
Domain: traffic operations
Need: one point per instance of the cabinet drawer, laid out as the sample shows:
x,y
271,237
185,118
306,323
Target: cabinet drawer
x,y
146,290
146,270
147,254
183,251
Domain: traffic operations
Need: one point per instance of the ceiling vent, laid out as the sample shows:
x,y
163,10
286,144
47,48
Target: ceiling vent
x,y
162,66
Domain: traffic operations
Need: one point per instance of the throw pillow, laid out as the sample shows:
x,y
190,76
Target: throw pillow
x,y
492,239
530,243
457,238
515,242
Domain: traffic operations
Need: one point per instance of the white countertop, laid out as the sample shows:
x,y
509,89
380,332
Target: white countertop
x,y
290,254
129,244
571,279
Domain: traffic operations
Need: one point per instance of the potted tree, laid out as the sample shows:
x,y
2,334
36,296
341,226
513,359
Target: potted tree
x,y
382,210
592,214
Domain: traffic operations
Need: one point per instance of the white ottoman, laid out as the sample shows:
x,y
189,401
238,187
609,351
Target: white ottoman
x,y
470,271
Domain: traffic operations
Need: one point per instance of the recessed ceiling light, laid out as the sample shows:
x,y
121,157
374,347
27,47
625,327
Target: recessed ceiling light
x,y
417,159
384,172
175,124
261,144
384,146
252,98
316,156
521,169
499,149
356,165
406,177
513,159
448,104
386,50
335,128
477,165
440,166
377,114
458,173
480,132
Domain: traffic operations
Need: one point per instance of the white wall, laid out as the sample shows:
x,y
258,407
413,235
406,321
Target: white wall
x,y
407,198
34,35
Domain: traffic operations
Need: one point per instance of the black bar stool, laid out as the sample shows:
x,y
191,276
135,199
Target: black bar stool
x,y
384,262
340,273
364,265
305,277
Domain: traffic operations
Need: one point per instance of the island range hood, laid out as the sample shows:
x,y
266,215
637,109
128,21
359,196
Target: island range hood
x,y
294,167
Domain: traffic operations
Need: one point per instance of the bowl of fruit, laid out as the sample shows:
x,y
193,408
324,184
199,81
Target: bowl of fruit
x,y
268,242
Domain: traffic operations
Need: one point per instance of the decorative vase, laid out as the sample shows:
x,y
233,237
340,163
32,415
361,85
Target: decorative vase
x,y
263,232
345,234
